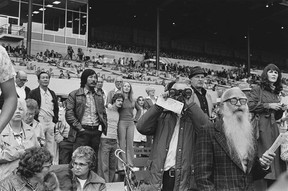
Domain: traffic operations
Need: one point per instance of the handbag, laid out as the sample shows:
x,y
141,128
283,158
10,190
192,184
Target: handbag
x,y
255,121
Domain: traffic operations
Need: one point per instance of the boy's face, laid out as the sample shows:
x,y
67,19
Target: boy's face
x,y
119,102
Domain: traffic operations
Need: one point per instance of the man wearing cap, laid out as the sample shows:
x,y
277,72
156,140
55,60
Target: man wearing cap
x,y
86,114
226,155
201,97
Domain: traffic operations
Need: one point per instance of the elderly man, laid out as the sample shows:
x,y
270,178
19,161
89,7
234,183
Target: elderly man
x,y
225,156
171,159
118,86
201,96
151,98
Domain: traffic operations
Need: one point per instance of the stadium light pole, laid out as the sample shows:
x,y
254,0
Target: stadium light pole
x,y
158,38
29,29
248,52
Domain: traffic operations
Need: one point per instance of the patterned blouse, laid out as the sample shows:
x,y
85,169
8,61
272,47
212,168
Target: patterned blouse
x,y
6,68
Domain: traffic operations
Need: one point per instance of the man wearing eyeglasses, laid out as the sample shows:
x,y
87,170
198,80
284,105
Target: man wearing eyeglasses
x,y
22,90
118,86
226,156
171,164
201,97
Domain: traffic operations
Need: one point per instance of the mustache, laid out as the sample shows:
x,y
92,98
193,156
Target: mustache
x,y
237,110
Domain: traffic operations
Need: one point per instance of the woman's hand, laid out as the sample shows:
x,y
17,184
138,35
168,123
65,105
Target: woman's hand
x,y
275,106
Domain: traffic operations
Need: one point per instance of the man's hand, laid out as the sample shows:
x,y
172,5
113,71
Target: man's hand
x,y
190,100
275,106
267,159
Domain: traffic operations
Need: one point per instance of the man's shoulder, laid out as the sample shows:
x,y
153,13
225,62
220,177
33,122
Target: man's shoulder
x,y
77,92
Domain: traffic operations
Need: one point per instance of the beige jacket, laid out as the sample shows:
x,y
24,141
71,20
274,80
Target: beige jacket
x,y
11,151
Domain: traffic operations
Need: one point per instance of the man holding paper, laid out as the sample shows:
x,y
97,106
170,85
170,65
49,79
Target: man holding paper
x,y
226,156
174,122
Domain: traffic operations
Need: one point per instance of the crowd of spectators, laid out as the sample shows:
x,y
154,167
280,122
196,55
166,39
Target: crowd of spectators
x,y
150,52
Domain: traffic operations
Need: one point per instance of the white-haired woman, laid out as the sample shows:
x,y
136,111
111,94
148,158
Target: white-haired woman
x,y
16,137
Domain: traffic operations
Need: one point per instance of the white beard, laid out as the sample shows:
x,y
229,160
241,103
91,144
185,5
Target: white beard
x,y
239,133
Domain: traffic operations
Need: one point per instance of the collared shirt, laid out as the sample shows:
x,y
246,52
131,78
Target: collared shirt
x,y
90,118
202,99
171,155
21,91
17,136
47,106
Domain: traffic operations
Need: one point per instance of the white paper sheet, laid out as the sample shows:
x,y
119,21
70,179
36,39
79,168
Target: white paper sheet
x,y
170,104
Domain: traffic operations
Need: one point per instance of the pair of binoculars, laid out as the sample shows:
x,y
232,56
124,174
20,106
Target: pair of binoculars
x,y
186,93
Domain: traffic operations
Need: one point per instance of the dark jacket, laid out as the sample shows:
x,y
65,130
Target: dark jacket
x,y
161,125
75,109
35,94
268,128
217,169
27,91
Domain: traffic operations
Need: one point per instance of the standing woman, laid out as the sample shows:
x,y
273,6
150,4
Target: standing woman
x,y
264,101
126,124
139,139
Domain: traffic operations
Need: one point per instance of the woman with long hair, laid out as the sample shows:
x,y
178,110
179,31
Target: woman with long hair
x,y
139,139
264,103
126,124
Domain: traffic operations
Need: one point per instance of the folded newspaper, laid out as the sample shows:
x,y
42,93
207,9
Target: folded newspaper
x,y
280,139
170,104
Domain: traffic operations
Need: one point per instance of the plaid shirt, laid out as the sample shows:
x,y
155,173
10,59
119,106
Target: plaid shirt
x,y
217,169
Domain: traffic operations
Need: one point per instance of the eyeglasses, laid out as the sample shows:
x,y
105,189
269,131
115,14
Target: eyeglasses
x,y
81,165
186,92
23,80
234,101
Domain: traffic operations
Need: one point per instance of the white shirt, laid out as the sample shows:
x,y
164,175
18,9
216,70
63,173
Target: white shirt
x,y
82,182
171,155
47,106
21,91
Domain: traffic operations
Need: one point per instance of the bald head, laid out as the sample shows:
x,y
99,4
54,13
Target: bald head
x,y
231,93
21,78
119,82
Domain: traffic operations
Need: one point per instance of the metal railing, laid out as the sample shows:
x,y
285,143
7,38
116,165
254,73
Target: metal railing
x,y
12,29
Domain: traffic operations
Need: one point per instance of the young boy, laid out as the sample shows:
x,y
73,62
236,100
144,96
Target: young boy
x,y
108,145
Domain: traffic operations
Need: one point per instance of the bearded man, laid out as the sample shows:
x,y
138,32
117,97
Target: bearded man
x,y
225,156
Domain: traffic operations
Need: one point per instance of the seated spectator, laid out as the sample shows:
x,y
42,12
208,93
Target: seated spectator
x,y
80,176
32,110
32,173
61,74
14,140
39,57
80,54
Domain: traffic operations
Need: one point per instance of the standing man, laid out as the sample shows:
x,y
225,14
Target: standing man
x,y
99,89
226,156
201,96
86,114
118,86
171,164
22,90
48,108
